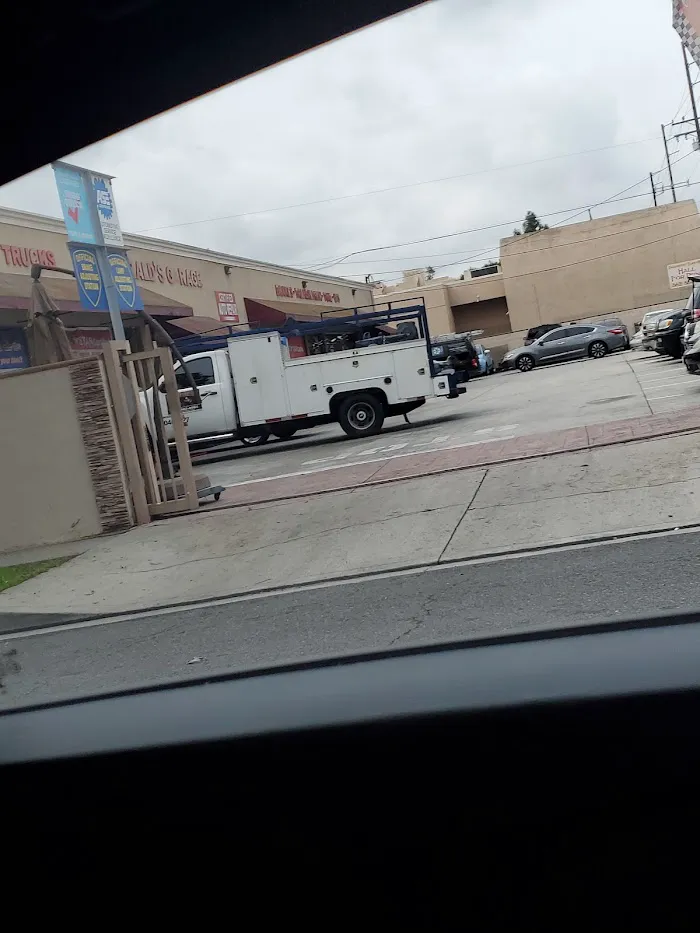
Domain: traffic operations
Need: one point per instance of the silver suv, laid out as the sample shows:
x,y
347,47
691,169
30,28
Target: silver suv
x,y
568,343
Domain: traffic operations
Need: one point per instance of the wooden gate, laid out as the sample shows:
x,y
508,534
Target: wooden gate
x,y
162,481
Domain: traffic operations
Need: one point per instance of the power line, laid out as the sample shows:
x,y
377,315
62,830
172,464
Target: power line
x,y
413,184
495,247
444,236
578,262
541,249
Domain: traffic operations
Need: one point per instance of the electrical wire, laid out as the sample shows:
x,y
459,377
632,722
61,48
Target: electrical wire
x,y
413,184
443,236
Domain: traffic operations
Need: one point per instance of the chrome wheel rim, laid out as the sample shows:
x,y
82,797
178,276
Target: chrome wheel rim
x,y
597,351
361,416
525,364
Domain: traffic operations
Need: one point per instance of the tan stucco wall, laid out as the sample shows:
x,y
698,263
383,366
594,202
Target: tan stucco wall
x,y
589,281
186,274
437,304
47,492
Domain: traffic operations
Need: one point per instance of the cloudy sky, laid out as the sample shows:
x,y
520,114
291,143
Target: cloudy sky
x,y
501,93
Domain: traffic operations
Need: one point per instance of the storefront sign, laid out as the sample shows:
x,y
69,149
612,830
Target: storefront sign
x,y
127,290
73,195
24,256
87,274
13,349
306,294
678,273
106,210
154,272
86,341
226,304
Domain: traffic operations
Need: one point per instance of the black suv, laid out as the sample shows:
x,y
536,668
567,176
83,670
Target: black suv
x,y
536,332
462,351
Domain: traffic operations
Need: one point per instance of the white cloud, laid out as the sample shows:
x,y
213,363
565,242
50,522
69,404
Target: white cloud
x,y
448,88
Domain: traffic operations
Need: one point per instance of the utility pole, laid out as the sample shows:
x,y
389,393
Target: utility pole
x,y
668,163
692,93
653,189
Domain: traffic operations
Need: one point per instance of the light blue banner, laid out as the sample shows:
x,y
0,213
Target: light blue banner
x,y
75,205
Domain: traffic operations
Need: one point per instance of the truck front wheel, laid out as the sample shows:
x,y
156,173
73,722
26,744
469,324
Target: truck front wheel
x,y
361,415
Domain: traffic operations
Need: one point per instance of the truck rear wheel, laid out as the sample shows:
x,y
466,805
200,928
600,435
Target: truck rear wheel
x,y
361,415
256,440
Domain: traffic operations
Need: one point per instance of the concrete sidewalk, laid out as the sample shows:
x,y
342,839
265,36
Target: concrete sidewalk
x,y
504,508
388,469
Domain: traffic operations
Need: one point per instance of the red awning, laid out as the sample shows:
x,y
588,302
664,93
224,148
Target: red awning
x,y
15,293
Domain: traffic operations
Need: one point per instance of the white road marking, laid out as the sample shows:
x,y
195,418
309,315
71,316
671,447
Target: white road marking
x,y
484,430
340,466
665,385
658,398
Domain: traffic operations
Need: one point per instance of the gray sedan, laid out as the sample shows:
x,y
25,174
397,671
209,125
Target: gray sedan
x,y
568,343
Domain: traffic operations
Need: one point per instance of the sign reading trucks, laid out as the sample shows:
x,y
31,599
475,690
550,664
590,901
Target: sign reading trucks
x,y
23,256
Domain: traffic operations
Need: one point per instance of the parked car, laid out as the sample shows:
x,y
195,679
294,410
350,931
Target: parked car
x,y
456,352
613,322
567,343
668,331
536,332
484,359
637,341
649,328
691,357
692,309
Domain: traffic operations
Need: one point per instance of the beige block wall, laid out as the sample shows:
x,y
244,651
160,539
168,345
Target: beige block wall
x,y
437,304
45,479
592,282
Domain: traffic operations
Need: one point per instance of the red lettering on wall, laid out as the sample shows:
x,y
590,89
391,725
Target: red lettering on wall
x,y
169,275
27,256
161,274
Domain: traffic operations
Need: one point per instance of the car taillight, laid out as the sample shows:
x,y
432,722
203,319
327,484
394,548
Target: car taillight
x,y
696,314
475,364
616,330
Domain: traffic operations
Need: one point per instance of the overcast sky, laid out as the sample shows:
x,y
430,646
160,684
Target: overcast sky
x,y
457,87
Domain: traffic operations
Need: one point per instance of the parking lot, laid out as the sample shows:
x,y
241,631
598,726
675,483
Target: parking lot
x,y
504,405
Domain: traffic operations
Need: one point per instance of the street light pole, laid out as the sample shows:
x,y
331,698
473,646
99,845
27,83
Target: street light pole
x,y
692,93
653,189
668,163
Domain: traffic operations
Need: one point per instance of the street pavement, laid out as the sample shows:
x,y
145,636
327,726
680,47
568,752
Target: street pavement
x,y
572,586
623,489
495,408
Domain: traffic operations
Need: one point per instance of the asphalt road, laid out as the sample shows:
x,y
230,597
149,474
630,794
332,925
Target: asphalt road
x,y
569,587
623,385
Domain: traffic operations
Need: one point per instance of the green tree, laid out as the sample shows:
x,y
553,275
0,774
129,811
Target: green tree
x,y
429,273
531,224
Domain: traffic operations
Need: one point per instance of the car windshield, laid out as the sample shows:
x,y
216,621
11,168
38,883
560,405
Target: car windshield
x,y
244,420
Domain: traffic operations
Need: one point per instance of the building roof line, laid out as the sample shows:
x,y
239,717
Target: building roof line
x,y
50,224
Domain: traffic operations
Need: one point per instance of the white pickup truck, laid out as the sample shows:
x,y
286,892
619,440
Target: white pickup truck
x,y
253,387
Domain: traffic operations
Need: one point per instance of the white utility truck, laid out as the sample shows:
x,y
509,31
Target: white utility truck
x,y
251,385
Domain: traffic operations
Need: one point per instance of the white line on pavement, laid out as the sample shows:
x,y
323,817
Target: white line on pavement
x,y
339,466
657,398
664,385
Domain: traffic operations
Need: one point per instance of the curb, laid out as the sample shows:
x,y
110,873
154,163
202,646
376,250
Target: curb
x,y
430,472
53,620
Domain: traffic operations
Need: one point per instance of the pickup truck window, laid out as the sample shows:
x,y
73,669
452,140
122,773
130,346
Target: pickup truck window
x,y
202,372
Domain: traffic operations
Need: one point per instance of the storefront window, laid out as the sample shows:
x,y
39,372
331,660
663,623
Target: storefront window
x,y
13,349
